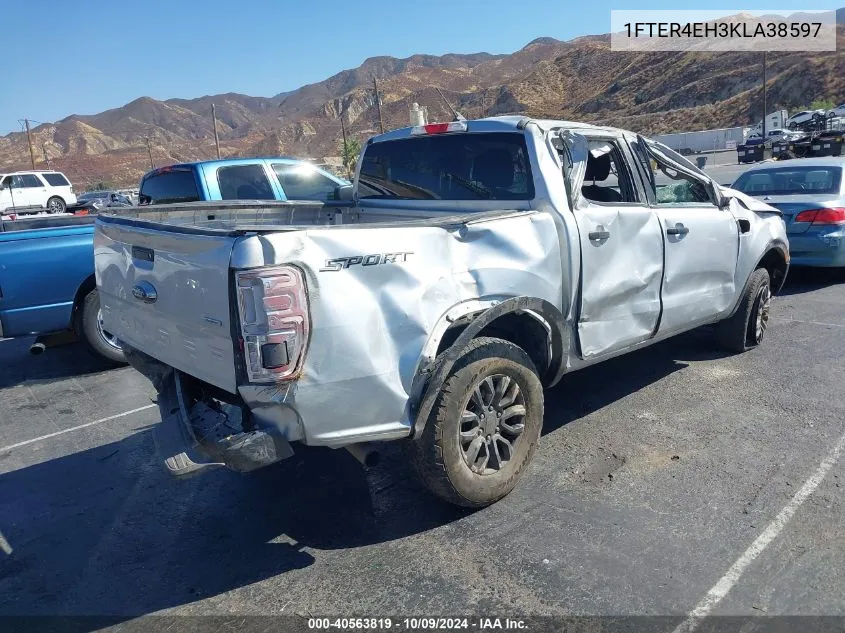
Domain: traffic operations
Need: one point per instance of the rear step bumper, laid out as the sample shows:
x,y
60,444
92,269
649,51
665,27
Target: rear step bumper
x,y
180,439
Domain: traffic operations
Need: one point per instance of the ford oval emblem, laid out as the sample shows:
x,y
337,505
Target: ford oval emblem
x,y
145,291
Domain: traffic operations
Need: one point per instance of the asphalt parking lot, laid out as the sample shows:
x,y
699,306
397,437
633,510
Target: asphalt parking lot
x,y
671,478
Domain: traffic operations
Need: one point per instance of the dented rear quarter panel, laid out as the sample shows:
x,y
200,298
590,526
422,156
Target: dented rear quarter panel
x,y
370,324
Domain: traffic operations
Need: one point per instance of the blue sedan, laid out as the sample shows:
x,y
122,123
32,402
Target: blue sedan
x,y
811,194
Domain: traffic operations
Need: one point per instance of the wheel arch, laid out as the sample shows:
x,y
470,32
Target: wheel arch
x,y
89,284
55,195
776,261
533,324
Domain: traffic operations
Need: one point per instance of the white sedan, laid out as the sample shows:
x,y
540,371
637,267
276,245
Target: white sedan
x,y
805,116
836,112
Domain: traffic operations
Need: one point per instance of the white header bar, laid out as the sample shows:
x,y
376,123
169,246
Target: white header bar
x,y
723,30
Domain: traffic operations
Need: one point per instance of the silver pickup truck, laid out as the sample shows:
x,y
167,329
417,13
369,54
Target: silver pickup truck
x,y
475,263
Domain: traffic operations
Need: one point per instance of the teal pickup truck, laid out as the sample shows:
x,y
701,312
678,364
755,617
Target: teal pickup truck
x,y
279,178
47,283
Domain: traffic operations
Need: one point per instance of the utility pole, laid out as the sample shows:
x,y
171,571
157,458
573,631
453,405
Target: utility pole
x,y
29,138
345,148
46,158
216,137
150,152
378,105
765,107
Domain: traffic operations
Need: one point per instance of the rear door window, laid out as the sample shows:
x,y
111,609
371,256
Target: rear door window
x,y
31,180
244,182
56,180
176,185
486,166
304,182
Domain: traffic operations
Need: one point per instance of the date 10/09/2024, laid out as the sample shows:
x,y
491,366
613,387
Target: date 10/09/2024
x,y
417,624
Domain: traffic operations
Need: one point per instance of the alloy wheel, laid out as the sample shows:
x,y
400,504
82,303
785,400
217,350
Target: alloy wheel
x,y
108,337
492,422
764,302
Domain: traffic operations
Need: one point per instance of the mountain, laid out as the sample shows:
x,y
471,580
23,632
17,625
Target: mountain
x,y
581,79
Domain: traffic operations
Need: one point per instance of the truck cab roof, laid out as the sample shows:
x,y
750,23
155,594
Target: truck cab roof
x,y
506,123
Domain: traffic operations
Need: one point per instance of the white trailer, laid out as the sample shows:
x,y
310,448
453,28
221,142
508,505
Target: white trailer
x,y
703,140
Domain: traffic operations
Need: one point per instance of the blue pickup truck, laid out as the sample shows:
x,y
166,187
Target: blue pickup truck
x,y
47,281
239,179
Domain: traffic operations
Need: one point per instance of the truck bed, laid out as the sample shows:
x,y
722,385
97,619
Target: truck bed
x,y
238,216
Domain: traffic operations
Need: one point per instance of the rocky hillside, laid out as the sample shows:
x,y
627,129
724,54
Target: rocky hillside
x,y
581,79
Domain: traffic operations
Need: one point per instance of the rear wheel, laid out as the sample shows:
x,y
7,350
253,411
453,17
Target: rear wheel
x,y
747,327
56,205
484,426
97,339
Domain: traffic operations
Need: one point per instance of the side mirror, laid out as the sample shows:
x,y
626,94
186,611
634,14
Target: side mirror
x,y
344,192
2,186
724,200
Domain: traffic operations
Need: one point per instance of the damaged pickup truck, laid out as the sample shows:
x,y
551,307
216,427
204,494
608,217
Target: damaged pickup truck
x,y
475,263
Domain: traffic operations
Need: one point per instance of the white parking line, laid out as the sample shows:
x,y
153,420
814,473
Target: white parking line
x,y
785,320
76,428
726,582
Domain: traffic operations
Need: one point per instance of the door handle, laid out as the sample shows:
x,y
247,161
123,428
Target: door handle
x,y
679,229
597,236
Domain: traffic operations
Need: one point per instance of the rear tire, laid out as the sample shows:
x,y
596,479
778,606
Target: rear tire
x,y
746,328
89,328
484,427
56,205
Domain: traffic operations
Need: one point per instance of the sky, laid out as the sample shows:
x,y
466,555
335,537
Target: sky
x,y
67,57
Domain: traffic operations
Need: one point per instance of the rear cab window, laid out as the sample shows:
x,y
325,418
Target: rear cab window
x,y
244,182
56,180
464,166
304,182
165,187
788,181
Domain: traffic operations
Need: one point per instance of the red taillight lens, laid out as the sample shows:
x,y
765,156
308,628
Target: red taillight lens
x,y
273,307
834,215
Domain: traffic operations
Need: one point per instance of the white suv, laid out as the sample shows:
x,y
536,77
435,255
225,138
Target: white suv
x,y
33,191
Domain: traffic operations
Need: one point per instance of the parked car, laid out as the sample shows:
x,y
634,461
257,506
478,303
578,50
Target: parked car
x,y
91,202
804,117
811,195
47,283
487,259
132,194
239,179
33,191
838,111
776,135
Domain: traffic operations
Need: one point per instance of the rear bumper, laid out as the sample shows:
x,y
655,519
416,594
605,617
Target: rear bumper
x,y
194,436
825,248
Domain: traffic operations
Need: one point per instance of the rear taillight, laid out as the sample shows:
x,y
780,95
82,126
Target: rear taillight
x,y
273,310
834,215
439,128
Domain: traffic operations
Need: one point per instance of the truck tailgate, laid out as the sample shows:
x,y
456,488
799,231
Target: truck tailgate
x,y
166,293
